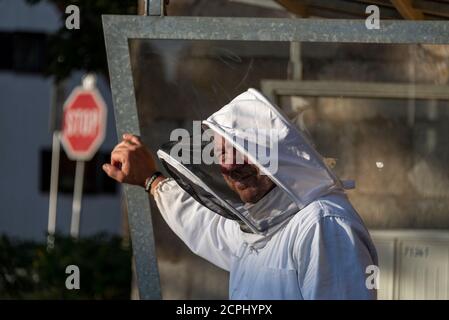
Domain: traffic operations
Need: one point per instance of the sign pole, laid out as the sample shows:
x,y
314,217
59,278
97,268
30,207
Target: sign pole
x,y
77,198
54,175
83,131
58,96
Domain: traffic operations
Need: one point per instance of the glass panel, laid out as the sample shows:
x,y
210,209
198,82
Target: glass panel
x,y
394,149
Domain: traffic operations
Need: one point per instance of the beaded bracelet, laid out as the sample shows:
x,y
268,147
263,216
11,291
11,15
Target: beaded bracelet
x,y
149,181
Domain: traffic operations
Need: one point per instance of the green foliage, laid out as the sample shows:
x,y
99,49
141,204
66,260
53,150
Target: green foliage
x,y
83,49
29,271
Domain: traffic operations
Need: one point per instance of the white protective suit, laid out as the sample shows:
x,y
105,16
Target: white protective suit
x,y
311,245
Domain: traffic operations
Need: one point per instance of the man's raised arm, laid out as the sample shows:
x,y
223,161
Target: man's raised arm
x,y
204,232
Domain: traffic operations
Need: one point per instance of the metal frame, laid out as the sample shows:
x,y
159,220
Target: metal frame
x,y
347,89
119,29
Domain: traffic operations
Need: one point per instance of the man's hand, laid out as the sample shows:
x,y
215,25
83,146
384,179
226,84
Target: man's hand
x,y
131,162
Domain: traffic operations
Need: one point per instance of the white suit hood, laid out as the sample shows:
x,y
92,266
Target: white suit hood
x,y
250,122
301,171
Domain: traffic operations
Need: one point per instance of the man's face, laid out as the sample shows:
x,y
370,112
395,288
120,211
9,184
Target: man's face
x,y
240,175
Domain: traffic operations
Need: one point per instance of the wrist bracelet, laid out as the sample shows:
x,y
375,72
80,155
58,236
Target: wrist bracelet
x,y
149,181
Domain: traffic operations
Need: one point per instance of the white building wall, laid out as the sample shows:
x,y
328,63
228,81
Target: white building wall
x,y
24,132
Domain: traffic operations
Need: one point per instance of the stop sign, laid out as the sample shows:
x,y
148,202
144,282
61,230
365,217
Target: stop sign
x,y
83,123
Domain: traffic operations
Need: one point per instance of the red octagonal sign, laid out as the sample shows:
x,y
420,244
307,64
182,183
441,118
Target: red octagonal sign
x,y
83,124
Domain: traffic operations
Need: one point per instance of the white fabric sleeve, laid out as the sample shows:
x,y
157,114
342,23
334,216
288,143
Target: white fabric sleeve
x,y
206,233
332,260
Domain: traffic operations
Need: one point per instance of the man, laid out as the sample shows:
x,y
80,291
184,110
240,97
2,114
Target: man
x,y
283,232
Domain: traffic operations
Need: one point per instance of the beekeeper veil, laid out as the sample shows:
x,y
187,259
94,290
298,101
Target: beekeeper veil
x,y
263,137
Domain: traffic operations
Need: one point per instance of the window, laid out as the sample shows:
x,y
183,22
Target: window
x,y
23,51
95,180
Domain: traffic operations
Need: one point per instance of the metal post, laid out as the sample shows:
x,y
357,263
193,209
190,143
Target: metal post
x,y
411,101
58,95
55,152
295,61
77,198
154,7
